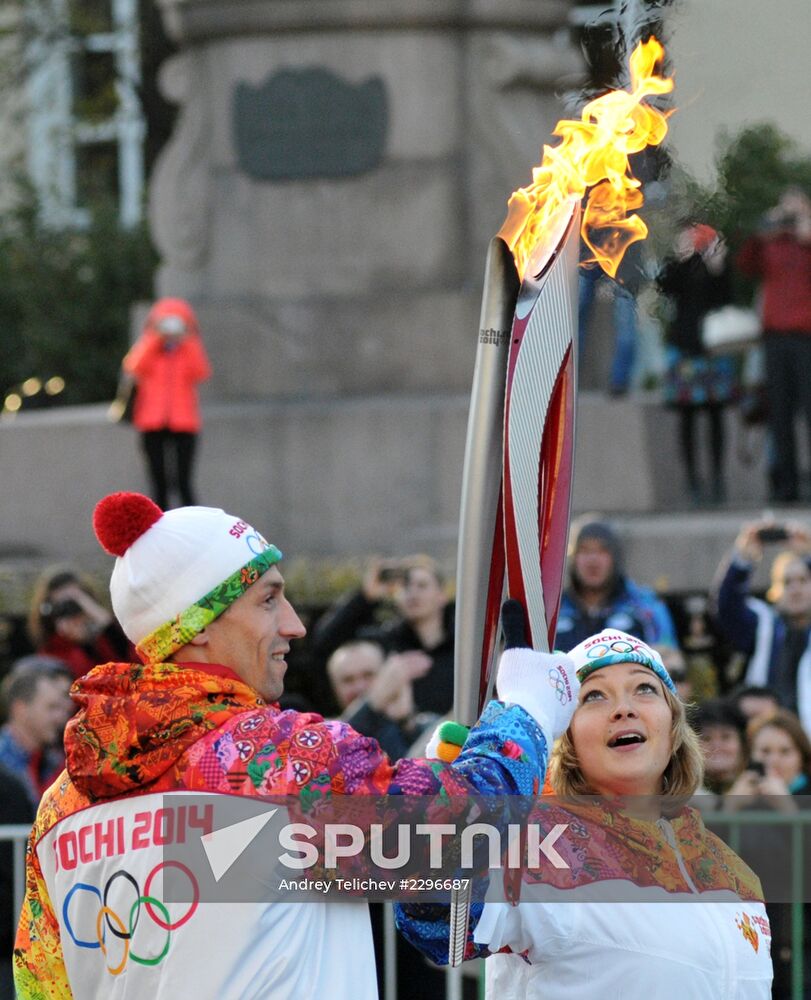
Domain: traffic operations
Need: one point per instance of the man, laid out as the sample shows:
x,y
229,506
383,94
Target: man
x,y
775,634
722,731
425,624
376,693
779,256
37,705
600,596
352,668
200,594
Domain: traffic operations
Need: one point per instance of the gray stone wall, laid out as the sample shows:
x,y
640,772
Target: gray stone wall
x,y
327,477
362,283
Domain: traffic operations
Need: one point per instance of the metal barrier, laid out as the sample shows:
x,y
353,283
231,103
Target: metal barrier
x,y
18,835
796,821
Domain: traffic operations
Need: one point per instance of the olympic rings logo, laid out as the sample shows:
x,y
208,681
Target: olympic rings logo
x,y
257,544
107,919
558,681
617,646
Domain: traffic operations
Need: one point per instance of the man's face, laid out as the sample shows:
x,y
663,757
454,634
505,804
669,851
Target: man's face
x,y
723,751
795,600
353,670
593,564
44,717
253,636
421,596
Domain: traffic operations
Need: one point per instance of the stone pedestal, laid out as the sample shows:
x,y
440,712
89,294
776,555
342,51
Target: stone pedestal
x,y
337,170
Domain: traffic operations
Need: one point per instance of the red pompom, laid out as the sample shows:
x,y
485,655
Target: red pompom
x,y
121,518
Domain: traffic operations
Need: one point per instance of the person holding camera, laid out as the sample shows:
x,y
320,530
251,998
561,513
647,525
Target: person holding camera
x,y
779,256
66,621
168,361
775,633
424,625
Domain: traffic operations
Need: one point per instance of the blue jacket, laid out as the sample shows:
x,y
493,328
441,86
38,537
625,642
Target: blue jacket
x,y
632,608
759,630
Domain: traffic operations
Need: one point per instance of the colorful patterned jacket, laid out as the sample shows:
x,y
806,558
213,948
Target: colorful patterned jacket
x,y
94,923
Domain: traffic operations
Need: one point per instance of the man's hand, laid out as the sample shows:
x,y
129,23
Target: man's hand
x,y
748,545
544,684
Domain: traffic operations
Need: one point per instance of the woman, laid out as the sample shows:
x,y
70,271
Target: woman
x,y
622,772
168,361
66,621
778,778
696,280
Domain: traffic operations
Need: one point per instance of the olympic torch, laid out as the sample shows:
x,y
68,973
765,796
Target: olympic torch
x,y
519,453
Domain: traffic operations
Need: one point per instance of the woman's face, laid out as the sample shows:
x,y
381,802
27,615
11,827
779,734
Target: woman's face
x,y
778,753
621,730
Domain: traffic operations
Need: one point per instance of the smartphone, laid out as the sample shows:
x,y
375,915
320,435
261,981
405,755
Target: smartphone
x,y
774,533
757,767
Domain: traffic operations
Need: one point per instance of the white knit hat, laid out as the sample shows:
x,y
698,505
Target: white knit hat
x,y
176,571
613,646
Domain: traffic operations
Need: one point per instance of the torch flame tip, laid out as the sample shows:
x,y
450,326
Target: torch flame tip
x,y
593,154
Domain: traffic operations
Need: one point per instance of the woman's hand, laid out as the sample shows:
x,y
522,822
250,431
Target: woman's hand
x,y
98,615
543,684
715,256
391,691
743,793
775,791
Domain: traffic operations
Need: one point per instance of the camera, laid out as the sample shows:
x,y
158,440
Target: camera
x,y
757,767
772,533
60,609
392,574
779,222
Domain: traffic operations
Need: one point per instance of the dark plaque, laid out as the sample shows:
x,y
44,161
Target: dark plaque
x,y
309,123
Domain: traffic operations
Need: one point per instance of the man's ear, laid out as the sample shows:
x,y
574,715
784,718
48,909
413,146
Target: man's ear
x,y
199,639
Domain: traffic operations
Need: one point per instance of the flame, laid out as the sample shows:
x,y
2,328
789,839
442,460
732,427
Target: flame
x,y
593,154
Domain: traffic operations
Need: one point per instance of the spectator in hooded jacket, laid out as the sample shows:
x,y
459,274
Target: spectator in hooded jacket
x,y
600,596
168,361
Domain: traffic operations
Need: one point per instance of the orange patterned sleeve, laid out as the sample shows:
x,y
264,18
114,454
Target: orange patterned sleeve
x,y
39,968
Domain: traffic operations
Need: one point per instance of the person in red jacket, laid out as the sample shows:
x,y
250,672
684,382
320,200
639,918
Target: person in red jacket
x,y
780,257
168,361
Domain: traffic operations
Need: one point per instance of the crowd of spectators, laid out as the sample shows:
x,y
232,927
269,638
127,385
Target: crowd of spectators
x,y
385,653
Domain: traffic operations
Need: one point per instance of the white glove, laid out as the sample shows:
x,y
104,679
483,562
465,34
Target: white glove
x,y
544,684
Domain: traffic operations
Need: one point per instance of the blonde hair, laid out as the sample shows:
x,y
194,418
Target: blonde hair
x,y
681,777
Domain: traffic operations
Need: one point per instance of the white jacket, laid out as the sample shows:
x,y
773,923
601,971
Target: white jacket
x,y
688,950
